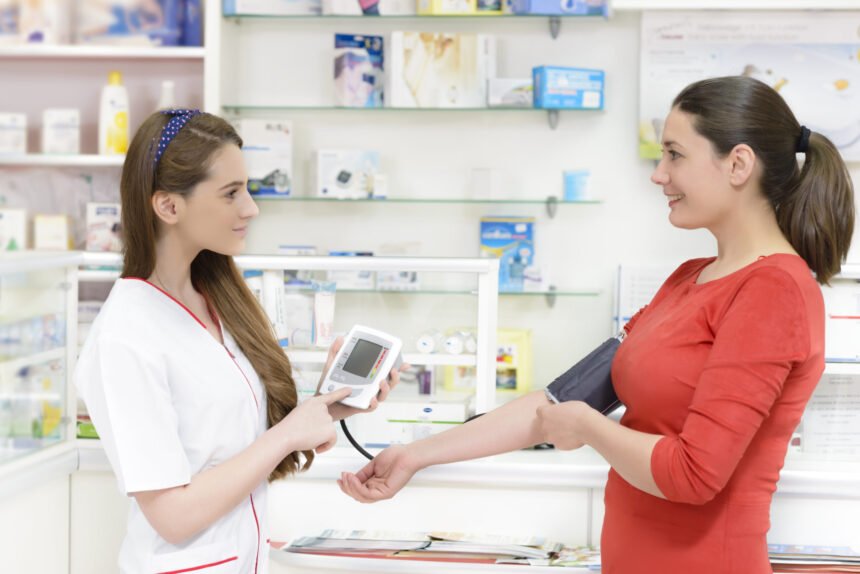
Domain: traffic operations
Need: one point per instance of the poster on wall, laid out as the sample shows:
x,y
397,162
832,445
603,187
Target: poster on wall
x,y
811,58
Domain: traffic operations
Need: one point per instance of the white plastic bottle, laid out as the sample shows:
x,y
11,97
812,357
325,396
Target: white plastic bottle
x,y
113,117
167,100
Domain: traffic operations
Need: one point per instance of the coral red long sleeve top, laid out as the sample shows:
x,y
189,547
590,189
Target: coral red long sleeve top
x,y
723,370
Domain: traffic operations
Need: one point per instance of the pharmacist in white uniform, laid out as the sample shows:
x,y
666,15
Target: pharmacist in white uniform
x,y
189,391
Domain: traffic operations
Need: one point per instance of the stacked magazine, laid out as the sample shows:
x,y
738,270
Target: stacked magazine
x,y
796,558
443,547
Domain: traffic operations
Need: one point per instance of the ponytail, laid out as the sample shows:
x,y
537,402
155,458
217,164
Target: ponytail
x,y
817,215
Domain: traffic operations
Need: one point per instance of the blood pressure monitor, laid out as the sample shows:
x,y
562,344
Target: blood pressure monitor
x,y
364,361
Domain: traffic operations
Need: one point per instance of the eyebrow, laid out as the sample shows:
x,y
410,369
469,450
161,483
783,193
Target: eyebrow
x,y
668,143
231,184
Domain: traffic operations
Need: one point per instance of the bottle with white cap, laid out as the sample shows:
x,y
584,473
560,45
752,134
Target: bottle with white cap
x,y
113,117
167,100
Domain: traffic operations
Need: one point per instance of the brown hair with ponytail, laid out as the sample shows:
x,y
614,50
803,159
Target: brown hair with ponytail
x,y
184,164
814,204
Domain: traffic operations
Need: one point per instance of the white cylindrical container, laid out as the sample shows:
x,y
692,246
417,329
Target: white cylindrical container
x,y
113,117
470,343
167,100
429,341
274,304
455,344
323,332
254,280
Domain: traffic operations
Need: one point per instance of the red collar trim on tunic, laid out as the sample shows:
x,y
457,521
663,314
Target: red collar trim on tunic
x,y
175,300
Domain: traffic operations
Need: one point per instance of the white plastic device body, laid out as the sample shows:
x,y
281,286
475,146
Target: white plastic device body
x,y
363,362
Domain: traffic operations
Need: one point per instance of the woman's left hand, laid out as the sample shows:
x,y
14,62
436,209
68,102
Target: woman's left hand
x,y
559,424
340,411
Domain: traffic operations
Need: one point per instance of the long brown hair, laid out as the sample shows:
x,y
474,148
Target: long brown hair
x,y
814,205
184,164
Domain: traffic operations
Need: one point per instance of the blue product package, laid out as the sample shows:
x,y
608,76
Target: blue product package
x,y
192,23
561,7
511,240
557,88
159,20
358,70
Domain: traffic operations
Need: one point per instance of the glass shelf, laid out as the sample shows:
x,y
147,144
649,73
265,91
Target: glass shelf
x,y
345,109
488,17
452,200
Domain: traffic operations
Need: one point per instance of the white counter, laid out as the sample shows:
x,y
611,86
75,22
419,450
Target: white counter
x,y
582,468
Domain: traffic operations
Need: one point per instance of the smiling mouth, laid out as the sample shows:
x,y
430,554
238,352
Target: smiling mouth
x,y
674,198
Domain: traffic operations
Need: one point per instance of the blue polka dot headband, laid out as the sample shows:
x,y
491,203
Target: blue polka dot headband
x,y
178,120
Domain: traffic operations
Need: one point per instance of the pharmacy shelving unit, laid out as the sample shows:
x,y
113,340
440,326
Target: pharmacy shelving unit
x,y
38,449
102,267
79,71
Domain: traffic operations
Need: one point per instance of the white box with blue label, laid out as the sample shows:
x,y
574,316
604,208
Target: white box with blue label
x,y
511,240
559,88
268,152
272,7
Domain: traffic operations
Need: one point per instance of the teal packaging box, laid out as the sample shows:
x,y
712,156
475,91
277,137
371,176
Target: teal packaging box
x,y
511,240
558,88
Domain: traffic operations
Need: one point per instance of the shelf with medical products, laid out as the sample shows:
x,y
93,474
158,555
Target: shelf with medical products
x,y
297,314
96,52
61,160
38,318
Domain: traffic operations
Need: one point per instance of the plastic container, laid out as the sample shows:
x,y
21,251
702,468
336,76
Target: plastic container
x,y
113,117
323,332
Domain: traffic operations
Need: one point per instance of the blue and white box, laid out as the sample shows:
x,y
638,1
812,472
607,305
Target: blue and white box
x,y
561,7
268,151
348,279
559,88
358,71
511,240
151,22
272,7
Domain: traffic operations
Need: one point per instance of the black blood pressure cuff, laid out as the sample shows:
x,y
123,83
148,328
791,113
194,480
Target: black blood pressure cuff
x,y
589,380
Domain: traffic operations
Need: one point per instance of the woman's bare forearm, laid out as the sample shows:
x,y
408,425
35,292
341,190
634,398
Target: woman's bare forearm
x,y
507,428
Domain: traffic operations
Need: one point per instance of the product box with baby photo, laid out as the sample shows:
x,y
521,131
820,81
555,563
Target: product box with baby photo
x,y
268,152
358,71
511,240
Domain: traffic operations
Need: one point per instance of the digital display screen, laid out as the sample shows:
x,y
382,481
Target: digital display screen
x,y
362,358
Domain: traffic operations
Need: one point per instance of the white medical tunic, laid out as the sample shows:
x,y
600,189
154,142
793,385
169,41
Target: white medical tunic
x,y
169,401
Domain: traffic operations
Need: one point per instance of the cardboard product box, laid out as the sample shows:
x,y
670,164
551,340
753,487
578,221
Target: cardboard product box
x,y
352,280
45,21
345,174
104,227
565,7
61,131
568,88
398,421
272,7
268,153
510,93
129,22
511,240
359,77
369,7
13,229
52,232
294,277
439,7
440,70
13,133
10,15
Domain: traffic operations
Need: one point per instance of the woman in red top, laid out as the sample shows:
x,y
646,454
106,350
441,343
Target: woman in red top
x,y
715,372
